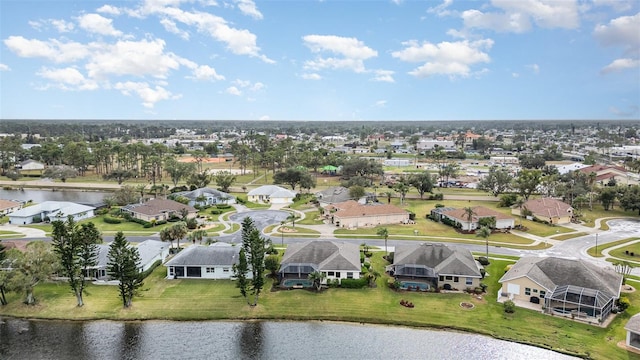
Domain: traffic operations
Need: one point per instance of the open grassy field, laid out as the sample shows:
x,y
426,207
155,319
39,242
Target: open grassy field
x,y
629,252
592,250
215,299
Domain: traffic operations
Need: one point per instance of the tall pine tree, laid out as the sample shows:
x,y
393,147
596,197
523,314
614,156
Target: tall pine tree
x,y
123,264
77,248
251,262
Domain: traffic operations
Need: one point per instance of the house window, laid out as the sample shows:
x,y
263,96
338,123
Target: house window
x,y
456,279
441,278
349,275
542,294
337,274
210,270
331,273
226,270
171,270
535,291
469,281
527,291
449,277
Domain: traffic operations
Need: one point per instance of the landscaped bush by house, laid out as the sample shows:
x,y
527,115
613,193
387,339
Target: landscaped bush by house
x,y
353,283
223,206
412,215
111,220
148,272
102,211
623,303
509,307
141,222
115,212
216,211
507,200
240,200
483,261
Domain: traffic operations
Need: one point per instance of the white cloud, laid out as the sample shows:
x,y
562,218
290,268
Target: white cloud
x,y
622,31
238,41
312,76
517,16
205,72
620,65
246,84
534,67
383,75
60,25
515,75
397,2
137,58
257,86
351,51
52,50
248,7
4,67
68,79
265,117
96,23
171,27
617,5
232,90
445,58
150,96
108,9
381,103
442,9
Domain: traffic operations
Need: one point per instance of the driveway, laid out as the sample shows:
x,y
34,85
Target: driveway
x,y
261,218
26,231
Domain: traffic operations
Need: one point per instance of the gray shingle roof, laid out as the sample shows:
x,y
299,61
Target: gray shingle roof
x,y
192,195
149,249
443,259
334,194
633,324
272,191
63,207
327,255
155,207
197,255
553,271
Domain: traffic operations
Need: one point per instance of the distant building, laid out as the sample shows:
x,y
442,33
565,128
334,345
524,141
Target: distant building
x,y
547,210
207,196
351,214
271,194
9,206
30,165
159,209
204,262
50,211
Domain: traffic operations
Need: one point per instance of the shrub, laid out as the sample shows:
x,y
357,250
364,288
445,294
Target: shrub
x,y
507,200
147,272
623,303
102,211
216,211
483,261
241,200
115,211
437,196
509,307
412,215
223,206
353,283
111,220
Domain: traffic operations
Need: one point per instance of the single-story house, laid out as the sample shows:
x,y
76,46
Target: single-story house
x,y
159,209
336,194
460,216
50,211
337,260
351,214
547,210
8,206
271,194
207,196
150,251
633,332
30,165
606,173
558,286
204,262
427,266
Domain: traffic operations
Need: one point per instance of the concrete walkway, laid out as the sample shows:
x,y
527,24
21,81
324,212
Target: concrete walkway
x,y
26,231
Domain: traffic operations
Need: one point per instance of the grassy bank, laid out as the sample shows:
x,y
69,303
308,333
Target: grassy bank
x,y
207,299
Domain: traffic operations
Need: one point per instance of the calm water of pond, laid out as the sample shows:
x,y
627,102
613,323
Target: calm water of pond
x,y
38,196
24,339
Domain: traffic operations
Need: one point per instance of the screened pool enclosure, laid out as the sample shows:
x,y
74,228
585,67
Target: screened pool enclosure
x,y
579,302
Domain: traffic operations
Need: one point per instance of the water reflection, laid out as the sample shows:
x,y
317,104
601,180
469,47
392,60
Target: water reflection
x,y
156,340
250,341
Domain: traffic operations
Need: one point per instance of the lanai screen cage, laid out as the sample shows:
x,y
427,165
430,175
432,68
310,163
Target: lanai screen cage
x,y
299,270
579,301
414,270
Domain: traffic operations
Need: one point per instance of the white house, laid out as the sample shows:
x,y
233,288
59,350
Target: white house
x,y
151,251
204,262
30,165
272,194
50,211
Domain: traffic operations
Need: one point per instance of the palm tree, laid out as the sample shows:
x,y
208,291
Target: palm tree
x,y
591,180
197,235
388,194
403,189
165,235
384,232
317,277
178,231
468,211
484,232
372,275
292,217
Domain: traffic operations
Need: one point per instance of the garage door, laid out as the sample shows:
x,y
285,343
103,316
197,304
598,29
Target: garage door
x,y
513,289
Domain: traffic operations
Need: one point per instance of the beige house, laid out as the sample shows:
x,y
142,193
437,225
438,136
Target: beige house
x,y
159,209
547,210
563,287
460,215
351,214
8,206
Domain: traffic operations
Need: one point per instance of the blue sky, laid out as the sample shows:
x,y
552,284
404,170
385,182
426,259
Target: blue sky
x,y
320,60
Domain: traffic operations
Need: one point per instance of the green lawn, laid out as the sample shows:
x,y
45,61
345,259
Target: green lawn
x,y
216,299
569,236
11,234
592,250
311,218
625,252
